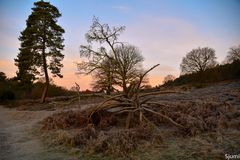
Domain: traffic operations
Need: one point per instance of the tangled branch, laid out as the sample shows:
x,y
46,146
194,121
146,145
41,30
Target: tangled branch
x,y
135,103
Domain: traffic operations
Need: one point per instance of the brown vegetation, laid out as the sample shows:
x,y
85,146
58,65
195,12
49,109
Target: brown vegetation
x,y
104,132
102,129
65,120
123,142
198,117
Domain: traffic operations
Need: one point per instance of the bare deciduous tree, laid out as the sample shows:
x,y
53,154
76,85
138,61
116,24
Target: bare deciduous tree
x,y
106,37
124,60
127,66
198,60
233,54
103,77
168,78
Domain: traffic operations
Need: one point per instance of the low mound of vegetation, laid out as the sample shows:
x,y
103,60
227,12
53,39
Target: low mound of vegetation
x,y
65,120
215,74
122,142
200,117
115,141
104,132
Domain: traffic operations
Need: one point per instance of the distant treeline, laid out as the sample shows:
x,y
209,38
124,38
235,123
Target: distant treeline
x,y
11,89
215,74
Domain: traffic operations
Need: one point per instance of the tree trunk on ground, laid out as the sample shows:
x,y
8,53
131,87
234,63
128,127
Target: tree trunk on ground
x,y
125,89
108,91
140,117
128,120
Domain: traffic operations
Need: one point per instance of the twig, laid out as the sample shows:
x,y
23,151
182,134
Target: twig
x,y
78,91
160,92
129,110
146,100
156,103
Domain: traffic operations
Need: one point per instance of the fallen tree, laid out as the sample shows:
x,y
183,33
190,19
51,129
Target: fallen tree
x,y
133,103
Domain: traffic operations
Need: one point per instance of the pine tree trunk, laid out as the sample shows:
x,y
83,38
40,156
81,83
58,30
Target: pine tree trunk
x,y
44,94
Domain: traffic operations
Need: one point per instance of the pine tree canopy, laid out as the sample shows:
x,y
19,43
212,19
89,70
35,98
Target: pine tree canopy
x,y
41,43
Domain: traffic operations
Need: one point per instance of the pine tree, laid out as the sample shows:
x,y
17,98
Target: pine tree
x,y
41,45
26,71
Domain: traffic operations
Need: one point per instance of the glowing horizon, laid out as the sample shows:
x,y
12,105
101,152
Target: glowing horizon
x,y
163,30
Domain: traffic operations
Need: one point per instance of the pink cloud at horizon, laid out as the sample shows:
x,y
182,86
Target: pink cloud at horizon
x,y
69,75
8,67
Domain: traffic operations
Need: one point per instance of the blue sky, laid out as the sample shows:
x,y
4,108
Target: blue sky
x,y
164,30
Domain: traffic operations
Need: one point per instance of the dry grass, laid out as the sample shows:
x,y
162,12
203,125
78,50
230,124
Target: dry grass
x,y
124,141
199,117
65,120
74,137
104,132
78,119
209,130
119,143
98,135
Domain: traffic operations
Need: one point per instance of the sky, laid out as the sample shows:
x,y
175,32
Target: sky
x,y
164,31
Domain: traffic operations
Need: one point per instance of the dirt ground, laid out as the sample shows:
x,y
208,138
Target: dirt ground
x,y
19,142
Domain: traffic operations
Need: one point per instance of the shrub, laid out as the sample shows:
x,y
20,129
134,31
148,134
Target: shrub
x,y
7,95
199,117
122,142
65,120
216,74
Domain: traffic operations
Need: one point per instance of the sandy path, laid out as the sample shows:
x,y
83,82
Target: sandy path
x,y
16,140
